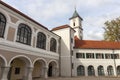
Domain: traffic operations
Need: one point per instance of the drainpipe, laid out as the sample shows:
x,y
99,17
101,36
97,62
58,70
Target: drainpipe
x,y
59,57
114,62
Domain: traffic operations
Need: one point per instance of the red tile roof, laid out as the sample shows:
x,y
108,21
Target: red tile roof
x,y
90,44
62,27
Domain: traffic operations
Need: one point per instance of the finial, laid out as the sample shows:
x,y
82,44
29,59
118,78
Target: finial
x,y
75,7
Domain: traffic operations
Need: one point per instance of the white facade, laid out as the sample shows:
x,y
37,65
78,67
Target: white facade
x,y
19,60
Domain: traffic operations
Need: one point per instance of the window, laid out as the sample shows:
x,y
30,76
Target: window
x,y
99,56
118,70
72,65
17,70
2,24
89,55
91,71
100,71
53,44
80,55
41,40
110,70
74,24
116,56
80,70
71,52
71,40
24,34
108,56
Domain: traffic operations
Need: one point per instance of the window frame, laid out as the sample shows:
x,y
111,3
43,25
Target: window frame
x,y
41,40
3,22
24,34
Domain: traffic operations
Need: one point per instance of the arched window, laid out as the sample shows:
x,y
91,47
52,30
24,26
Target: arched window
x,y
100,70
91,71
2,24
53,44
80,70
110,70
118,70
41,40
24,34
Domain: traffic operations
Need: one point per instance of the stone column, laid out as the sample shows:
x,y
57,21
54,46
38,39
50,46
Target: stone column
x,y
105,70
56,71
96,71
86,71
28,73
46,72
4,73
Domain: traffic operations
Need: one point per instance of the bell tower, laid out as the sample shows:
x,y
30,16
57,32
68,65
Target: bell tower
x,y
76,24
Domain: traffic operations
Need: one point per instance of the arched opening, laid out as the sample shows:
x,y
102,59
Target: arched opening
x,y
118,70
38,71
53,45
24,34
80,70
100,71
19,67
110,70
41,40
91,71
52,69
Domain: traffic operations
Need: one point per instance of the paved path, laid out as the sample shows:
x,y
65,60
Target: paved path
x,y
84,78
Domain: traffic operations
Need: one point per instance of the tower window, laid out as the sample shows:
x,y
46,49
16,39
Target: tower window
x,y
74,24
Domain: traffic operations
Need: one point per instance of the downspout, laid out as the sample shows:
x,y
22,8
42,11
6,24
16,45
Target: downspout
x,y
114,62
70,53
60,57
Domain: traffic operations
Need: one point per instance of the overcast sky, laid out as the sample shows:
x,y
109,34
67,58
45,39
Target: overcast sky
x,y
53,13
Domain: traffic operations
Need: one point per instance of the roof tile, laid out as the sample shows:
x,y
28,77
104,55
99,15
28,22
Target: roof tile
x,y
90,44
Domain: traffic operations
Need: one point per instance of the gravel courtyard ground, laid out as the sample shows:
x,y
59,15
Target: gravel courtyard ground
x,y
85,78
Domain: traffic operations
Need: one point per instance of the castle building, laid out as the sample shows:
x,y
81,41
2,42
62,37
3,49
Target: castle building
x,y
29,51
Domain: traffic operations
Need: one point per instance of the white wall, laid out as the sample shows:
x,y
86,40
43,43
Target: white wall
x,y
95,62
65,51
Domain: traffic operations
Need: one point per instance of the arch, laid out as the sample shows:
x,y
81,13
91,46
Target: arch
x,y
53,45
41,40
4,60
100,70
80,70
39,68
3,22
40,59
110,70
19,67
91,71
52,68
118,70
24,34
22,56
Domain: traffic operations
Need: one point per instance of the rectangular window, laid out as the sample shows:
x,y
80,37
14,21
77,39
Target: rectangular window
x,y
72,53
72,66
99,56
89,55
114,56
80,55
17,70
71,40
108,56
